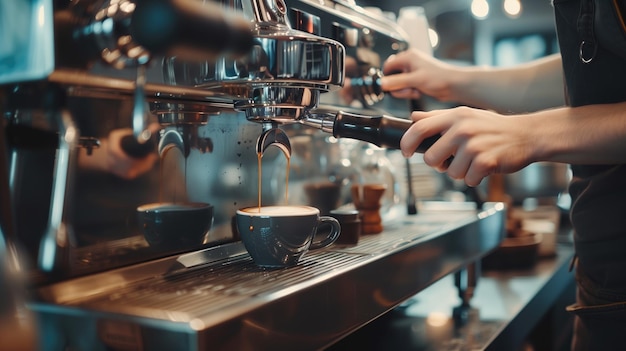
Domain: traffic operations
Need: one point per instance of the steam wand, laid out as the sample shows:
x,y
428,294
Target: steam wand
x,y
141,142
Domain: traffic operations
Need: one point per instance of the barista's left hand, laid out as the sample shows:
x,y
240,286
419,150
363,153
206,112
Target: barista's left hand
x,y
481,142
111,158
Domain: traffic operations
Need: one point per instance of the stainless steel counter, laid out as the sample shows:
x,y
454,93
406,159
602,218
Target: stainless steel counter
x,y
510,309
218,299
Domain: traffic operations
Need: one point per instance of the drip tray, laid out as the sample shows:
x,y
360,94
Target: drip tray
x,y
220,294
205,290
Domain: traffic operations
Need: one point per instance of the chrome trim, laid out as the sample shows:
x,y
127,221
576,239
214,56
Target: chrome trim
x,y
56,242
81,83
353,13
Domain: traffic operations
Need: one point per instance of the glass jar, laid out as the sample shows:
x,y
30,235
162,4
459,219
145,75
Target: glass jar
x,y
376,168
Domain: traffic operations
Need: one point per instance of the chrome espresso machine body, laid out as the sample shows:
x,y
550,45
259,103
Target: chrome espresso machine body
x,y
223,80
72,71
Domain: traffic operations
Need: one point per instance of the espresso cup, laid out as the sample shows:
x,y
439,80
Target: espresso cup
x,y
324,196
175,225
278,236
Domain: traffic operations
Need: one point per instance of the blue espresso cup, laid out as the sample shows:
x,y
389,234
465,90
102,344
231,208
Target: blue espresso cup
x,y
175,225
278,236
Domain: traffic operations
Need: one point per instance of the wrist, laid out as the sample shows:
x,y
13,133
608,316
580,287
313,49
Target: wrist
x,y
543,137
463,83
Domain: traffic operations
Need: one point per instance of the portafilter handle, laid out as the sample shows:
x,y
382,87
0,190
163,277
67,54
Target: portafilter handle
x,y
383,131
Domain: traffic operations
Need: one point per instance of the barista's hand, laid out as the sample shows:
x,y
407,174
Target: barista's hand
x,y
411,73
480,142
111,158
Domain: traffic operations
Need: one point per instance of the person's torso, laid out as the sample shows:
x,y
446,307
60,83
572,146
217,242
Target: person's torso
x,y
598,211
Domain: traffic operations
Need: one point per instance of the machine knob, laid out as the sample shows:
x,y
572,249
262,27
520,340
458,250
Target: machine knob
x,y
368,88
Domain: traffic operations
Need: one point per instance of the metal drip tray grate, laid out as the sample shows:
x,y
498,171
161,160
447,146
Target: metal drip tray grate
x,y
202,290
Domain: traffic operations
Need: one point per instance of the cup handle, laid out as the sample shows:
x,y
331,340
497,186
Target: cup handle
x,y
332,236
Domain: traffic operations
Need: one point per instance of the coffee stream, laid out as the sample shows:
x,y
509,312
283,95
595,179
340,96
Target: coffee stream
x,y
259,156
260,176
162,176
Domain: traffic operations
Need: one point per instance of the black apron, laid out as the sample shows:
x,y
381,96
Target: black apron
x,y
592,41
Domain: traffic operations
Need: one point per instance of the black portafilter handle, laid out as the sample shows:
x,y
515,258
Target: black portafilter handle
x,y
133,148
183,27
383,131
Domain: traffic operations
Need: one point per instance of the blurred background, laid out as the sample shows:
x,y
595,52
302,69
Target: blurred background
x,y
495,32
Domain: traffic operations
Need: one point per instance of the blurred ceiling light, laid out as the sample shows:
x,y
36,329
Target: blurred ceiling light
x,y
480,9
437,319
512,8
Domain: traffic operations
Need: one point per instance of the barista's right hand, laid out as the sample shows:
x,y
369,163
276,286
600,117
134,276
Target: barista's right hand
x,y
111,158
411,73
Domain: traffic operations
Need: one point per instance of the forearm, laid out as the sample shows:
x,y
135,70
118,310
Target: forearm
x,y
594,134
526,88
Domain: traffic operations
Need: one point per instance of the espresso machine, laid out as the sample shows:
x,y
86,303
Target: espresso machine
x,y
225,82
201,70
